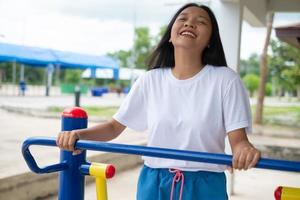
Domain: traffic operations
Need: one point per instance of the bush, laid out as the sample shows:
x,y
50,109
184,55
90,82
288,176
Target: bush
x,y
251,82
268,91
72,76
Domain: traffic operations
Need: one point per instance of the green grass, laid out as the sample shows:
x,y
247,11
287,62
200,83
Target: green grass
x,y
282,116
102,112
285,116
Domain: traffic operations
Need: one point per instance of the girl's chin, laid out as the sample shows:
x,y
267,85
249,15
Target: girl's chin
x,y
186,46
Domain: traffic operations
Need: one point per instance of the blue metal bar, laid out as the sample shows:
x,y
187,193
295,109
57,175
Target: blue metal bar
x,y
264,163
31,162
85,169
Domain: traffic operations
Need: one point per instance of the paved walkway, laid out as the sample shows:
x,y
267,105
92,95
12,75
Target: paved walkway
x,y
42,102
111,99
16,128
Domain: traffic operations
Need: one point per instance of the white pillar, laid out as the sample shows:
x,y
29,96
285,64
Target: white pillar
x,y
14,72
14,64
57,74
50,69
22,72
229,16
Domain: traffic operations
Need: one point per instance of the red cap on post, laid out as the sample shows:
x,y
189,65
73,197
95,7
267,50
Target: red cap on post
x,y
277,193
110,171
74,112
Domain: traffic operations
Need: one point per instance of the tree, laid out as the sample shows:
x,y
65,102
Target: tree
x,y
142,48
250,66
158,37
263,71
6,69
122,56
268,89
285,68
251,82
72,76
33,75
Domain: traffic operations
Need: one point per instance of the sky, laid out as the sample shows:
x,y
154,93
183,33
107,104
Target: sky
x,y
101,26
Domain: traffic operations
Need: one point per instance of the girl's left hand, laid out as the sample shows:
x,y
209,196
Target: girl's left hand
x,y
245,156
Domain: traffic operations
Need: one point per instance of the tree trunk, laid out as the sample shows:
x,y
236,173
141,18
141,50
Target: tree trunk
x,y
263,72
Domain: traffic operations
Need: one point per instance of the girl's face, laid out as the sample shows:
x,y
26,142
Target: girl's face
x,y
191,29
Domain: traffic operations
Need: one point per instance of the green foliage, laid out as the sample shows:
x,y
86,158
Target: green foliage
x,y
251,82
142,47
72,76
103,112
33,75
250,66
6,70
268,91
158,37
284,66
122,56
104,82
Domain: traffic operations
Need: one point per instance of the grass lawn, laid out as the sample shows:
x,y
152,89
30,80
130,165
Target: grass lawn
x,y
284,116
101,112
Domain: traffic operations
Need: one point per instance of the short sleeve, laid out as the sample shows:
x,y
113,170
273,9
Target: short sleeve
x,y
133,110
236,107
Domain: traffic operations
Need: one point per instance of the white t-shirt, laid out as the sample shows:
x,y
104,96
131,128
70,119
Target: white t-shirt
x,y
192,114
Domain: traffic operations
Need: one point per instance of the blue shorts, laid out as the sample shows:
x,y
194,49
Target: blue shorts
x,y
156,184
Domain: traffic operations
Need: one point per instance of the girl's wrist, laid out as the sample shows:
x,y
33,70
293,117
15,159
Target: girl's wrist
x,y
78,133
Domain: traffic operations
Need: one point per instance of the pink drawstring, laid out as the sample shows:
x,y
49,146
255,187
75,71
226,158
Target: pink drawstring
x,y
176,178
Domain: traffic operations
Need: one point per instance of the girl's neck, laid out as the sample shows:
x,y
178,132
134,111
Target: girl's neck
x,y
187,64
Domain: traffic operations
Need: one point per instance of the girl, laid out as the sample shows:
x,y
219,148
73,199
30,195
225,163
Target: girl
x,y
189,100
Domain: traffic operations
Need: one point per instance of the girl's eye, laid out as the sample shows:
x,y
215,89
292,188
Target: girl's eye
x,y
202,22
181,19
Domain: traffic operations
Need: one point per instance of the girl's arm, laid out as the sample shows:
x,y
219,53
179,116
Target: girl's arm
x,y
245,155
102,132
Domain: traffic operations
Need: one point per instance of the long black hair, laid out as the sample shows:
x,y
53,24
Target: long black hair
x,y
163,54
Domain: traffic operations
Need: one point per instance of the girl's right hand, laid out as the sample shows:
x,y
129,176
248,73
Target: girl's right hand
x,y
66,141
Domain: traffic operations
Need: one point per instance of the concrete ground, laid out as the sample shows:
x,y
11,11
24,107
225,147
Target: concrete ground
x,y
253,184
16,128
42,102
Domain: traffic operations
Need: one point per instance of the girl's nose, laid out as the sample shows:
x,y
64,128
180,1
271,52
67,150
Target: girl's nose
x,y
189,24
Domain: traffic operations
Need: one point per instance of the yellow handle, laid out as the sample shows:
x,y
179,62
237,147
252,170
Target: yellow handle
x,y
287,193
101,172
101,188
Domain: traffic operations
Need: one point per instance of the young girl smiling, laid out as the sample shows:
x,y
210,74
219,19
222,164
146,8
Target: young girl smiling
x,y
188,100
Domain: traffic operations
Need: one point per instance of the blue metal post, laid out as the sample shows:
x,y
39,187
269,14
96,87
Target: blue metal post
x,y
71,181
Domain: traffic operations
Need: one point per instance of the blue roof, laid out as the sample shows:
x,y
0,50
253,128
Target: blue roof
x,y
42,57
26,55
